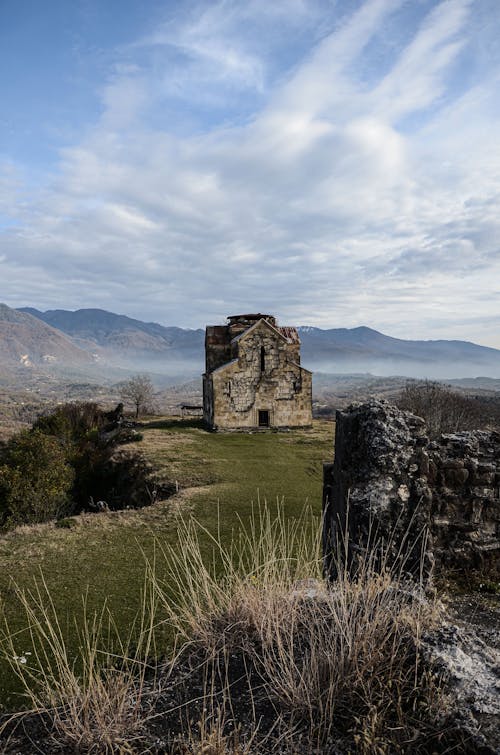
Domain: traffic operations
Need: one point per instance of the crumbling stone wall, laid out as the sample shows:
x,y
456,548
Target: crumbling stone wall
x,y
391,485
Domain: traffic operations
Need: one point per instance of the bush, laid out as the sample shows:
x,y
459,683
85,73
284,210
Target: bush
x,y
35,479
122,480
71,422
446,410
66,462
101,474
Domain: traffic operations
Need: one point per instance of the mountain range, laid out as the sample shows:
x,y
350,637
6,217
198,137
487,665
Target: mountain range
x,y
367,350
97,337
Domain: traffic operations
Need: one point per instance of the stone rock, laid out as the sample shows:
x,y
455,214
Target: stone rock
x,y
470,672
422,502
471,668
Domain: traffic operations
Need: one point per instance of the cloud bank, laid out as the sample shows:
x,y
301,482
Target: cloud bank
x,y
337,164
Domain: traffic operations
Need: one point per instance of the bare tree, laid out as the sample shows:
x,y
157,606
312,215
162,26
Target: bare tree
x,y
445,410
139,391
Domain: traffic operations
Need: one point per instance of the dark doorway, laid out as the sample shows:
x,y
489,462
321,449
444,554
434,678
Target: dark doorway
x,y
263,418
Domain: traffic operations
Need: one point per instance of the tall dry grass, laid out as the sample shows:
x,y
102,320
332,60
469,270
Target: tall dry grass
x,y
213,582
266,657
92,701
331,662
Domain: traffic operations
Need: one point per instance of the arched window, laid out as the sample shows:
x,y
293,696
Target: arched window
x,y
262,359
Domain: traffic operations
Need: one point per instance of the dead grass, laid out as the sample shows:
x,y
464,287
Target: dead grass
x,y
262,560
267,658
93,704
333,665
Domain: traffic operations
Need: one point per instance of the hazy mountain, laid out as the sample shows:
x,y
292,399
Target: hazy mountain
x,y
123,340
147,345
366,350
25,340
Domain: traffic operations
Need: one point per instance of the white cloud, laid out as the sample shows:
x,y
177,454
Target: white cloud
x,y
336,201
419,77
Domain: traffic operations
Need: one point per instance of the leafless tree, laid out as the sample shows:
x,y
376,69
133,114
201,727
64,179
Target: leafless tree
x,y
139,391
445,410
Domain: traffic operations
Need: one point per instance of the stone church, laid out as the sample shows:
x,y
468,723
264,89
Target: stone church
x,y
253,377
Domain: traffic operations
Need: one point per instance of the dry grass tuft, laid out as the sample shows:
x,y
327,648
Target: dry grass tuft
x,y
213,592
93,703
337,664
267,658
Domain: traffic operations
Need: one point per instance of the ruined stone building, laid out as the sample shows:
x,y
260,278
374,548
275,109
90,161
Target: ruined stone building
x,y
253,377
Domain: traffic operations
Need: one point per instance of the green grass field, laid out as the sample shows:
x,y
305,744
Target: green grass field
x,y
102,556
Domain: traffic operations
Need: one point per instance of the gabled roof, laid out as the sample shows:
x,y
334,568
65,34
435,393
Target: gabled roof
x,y
274,329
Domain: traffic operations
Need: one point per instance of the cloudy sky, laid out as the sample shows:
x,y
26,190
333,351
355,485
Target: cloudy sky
x,y
335,162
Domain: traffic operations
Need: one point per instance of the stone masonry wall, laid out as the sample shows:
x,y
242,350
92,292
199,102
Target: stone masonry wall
x,y
390,484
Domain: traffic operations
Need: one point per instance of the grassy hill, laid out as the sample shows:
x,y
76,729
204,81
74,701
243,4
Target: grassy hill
x,y
102,556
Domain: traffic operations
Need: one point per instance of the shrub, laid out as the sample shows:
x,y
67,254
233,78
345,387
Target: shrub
x,y
66,462
100,473
446,410
120,479
35,479
71,422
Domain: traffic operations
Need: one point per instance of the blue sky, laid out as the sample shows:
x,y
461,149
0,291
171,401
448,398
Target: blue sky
x,y
336,163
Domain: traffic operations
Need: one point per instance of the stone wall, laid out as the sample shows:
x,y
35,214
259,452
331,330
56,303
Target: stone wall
x,y
391,489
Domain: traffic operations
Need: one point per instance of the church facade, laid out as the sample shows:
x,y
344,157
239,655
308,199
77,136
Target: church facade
x,y
253,377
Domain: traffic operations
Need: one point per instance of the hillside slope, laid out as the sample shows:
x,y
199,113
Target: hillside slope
x,y
28,341
122,334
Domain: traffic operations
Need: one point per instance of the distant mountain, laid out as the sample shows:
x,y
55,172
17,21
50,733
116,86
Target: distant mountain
x,y
122,340
367,350
26,341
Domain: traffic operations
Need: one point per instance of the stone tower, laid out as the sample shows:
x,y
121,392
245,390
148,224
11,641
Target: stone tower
x,y
253,378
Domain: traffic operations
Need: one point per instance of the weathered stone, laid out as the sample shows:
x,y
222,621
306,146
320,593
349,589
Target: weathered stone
x,y
253,376
470,670
423,464
382,487
482,492
483,479
456,477
453,463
